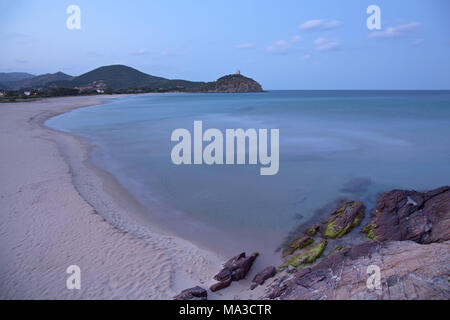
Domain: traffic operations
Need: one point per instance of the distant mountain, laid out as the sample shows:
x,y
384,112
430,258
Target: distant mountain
x,y
14,76
233,83
38,82
3,87
120,78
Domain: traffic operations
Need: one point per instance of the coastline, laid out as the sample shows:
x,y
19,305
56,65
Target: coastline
x,y
60,210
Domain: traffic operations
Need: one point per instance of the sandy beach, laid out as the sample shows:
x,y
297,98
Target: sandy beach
x,y
57,210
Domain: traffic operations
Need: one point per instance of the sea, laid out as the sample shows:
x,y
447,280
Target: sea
x,y
333,145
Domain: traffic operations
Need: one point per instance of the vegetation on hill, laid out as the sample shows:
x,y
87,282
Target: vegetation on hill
x,y
119,79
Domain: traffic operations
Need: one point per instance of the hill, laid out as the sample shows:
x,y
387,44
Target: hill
x,y
44,81
14,76
233,83
122,77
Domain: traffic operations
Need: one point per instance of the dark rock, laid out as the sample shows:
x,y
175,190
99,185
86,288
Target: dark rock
x,y
298,243
262,276
423,217
343,220
195,293
221,285
312,230
234,269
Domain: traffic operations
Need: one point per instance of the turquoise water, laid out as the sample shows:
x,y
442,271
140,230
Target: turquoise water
x,y
332,144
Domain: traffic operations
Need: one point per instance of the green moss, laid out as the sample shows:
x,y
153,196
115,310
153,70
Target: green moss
x,y
307,256
332,231
312,231
301,242
369,232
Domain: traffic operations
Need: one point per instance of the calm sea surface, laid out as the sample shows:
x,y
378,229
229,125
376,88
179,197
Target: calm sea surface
x,y
333,144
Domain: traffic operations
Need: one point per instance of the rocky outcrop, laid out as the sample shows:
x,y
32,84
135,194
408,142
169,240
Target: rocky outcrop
x,y
234,269
343,220
262,276
196,293
232,83
408,271
423,217
411,251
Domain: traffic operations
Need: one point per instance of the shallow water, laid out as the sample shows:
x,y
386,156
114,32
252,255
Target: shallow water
x,y
332,144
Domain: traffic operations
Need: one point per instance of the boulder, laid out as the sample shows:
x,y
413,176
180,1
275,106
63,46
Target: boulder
x,y
221,285
343,220
195,293
234,269
423,217
262,276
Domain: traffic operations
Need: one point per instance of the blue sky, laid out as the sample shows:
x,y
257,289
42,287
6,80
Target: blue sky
x,y
282,44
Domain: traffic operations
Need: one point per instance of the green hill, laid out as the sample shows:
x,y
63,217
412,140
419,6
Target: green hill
x,y
120,78
123,77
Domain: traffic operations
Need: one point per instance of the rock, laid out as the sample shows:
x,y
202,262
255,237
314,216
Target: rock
x,y
307,256
195,293
234,269
262,276
298,243
408,271
423,217
343,220
220,285
313,230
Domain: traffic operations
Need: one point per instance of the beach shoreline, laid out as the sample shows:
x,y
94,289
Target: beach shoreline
x,y
58,210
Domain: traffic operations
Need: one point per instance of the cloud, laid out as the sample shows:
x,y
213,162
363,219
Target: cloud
x,y
417,42
140,52
296,38
319,25
323,44
305,57
399,31
245,46
279,47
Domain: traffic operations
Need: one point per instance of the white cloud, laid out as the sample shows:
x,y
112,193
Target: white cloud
x,y
399,31
323,44
280,47
296,38
140,52
417,42
305,57
244,46
319,24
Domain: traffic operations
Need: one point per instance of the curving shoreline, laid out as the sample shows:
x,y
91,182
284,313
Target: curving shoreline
x,y
50,199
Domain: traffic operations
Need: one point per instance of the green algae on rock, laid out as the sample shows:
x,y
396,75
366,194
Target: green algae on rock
x,y
298,243
307,256
343,220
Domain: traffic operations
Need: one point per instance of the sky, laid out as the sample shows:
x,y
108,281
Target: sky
x,y
321,44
